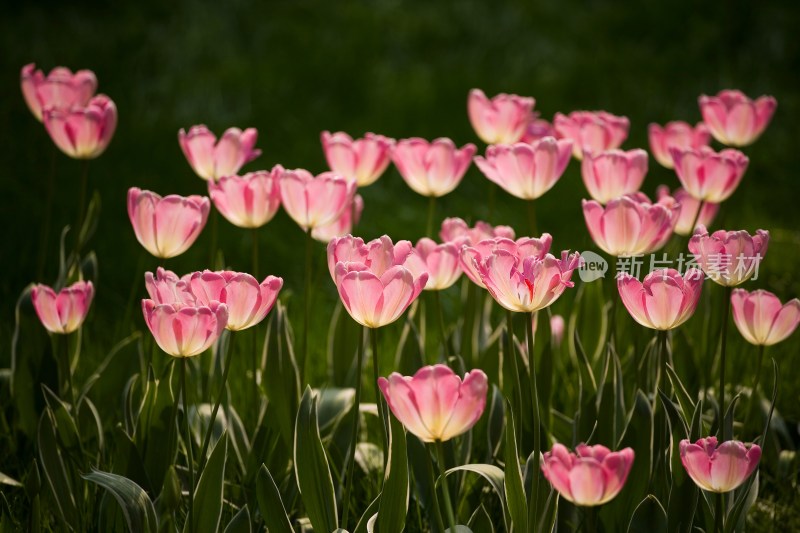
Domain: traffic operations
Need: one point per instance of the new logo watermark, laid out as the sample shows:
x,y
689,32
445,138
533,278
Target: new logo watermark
x,y
593,266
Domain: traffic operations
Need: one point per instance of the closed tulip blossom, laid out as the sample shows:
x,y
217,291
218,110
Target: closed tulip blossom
x,y
82,132
613,173
248,301
664,300
167,226
592,476
167,288
537,129
526,171
761,317
719,468
708,175
315,201
501,119
676,135
688,218
361,160
432,168
248,201
471,257
630,225
457,231
342,225
435,404
729,257
185,330
734,119
440,261
64,311
211,159
592,131
60,89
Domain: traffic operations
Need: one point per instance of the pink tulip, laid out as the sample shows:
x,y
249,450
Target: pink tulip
x,y
248,201
342,225
183,330
82,132
630,225
613,173
665,299
166,226
676,135
761,318
432,169
315,201
688,209
593,131
360,160
61,89
457,231
708,175
211,159
65,311
440,261
346,249
435,404
378,255
526,171
734,119
501,120
167,288
471,257
592,476
729,257
719,468
557,327
248,301
538,129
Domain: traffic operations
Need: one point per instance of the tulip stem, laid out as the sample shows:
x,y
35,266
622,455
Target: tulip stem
x,y
726,311
532,217
225,370
511,353
174,417
254,233
354,432
437,510
446,345
431,215
82,205
590,519
451,517
213,248
379,396
660,350
48,215
718,522
307,315
60,346
189,453
761,349
534,502
256,368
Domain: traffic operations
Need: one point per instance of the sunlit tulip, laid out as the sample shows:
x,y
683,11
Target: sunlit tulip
x,y
248,201
630,225
471,257
761,318
592,131
734,119
342,225
708,175
501,120
440,261
346,249
432,169
719,468
184,330
435,404
167,288
166,226
65,311
83,132
211,159
592,476
676,135
315,201
538,128
664,300
61,89
457,231
362,160
613,173
248,300
383,254
688,210
526,171
729,257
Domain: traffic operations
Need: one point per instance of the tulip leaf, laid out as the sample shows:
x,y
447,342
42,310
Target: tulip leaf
x,y
270,503
367,520
55,472
344,335
496,479
649,517
393,505
282,382
684,400
66,428
333,406
137,508
208,496
480,521
240,523
152,435
515,492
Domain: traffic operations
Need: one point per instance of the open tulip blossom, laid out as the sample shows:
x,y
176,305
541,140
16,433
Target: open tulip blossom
x,y
211,159
248,301
664,300
472,256
729,257
676,135
688,217
613,173
734,119
719,467
502,119
167,226
183,330
315,201
708,175
361,160
432,168
440,261
167,288
592,131
458,231
60,89
761,317
83,132
248,201
64,311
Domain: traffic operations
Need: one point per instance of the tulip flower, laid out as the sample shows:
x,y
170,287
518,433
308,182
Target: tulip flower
x,y
664,300
440,261
65,311
361,160
593,131
592,476
557,327
184,330
538,129
734,119
346,249
501,120
432,169
167,226
719,468
342,225
315,201
688,207
211,159
613,173
61,89
248,201
167,288
248,301
729,257
82,132
761,318
473,256
630,225
457,231
526,171
435,404
708,175
676,135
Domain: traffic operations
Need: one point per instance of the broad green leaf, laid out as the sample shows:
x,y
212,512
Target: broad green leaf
x,y
240,523
639,436
138,510
333,405
515,492
153,426
480,521
270,503
496,479
66,429
344,334
684,400
282,382
208,496
649,517
367,520
54,471
394,500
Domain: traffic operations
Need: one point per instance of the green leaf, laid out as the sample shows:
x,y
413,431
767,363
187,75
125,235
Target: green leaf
x,y
496,479
270,503
54,471
344,334
515,492
334,404
639,436
480,521
649,517
153,427
684,400
208,496
282,382
140,515
66,429
367,520
394,500
240,523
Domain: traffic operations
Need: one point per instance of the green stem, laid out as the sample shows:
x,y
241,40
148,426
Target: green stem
x,y
353,433
590,519
510,351
225,370
431,214
491,195
256,368
761,349
189,452
718,522
379,396
60,344
44,235
82,203
534,501
307,314
446,345
531,208
451,517
432,483
212,250
660,352
174,416
254,233
726,310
